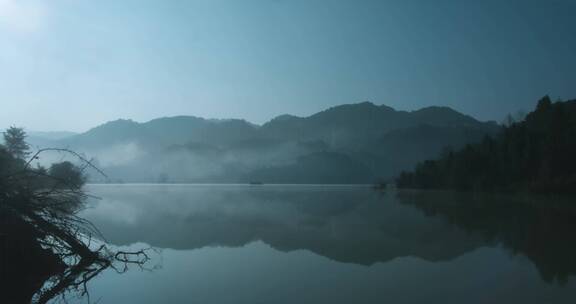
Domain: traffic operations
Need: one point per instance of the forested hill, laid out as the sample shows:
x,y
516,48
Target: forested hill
x,y
353,143
536,154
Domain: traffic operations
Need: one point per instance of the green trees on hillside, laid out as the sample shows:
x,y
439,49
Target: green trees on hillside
x,y
536,154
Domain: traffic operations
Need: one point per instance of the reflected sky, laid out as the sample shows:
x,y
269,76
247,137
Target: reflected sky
x,y
346,224
313,244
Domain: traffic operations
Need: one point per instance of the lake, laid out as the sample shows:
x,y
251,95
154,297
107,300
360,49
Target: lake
x,y
332,244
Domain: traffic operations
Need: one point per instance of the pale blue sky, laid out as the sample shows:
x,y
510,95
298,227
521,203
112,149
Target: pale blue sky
x,y
73,64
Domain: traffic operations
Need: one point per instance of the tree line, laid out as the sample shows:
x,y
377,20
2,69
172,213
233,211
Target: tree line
x,y
13,159
536,154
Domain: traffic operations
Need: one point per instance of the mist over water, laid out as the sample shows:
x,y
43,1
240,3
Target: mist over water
x,y
297,243
287,151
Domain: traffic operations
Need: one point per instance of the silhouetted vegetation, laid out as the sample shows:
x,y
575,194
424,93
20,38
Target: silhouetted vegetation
x,y
536,154
47,249
67,173
15,142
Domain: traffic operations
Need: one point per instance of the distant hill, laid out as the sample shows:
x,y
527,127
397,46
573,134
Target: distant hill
x,y
535,154
370,142
36,138
163,132
363,123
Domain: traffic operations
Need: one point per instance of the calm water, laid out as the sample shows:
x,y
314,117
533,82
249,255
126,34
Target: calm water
x,y
337,244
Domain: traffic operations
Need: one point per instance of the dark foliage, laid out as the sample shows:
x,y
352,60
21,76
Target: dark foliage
x,y
47,249
15,142
67,173
536,154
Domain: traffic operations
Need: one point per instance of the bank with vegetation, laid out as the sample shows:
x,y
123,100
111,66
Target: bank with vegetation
x,y
536,154
46,248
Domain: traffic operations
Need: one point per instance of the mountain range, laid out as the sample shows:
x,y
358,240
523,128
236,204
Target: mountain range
x,y
353,143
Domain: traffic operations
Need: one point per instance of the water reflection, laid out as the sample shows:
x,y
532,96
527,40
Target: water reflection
x,y
312,244
541,229
344,224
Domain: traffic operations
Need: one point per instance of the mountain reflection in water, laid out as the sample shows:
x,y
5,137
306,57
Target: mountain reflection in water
x,y
352,224
541,229
345,224
466,236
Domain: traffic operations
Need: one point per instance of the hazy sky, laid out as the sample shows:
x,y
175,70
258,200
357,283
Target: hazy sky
x,y
73,64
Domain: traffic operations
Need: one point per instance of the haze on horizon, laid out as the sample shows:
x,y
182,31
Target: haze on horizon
x,y
71,65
